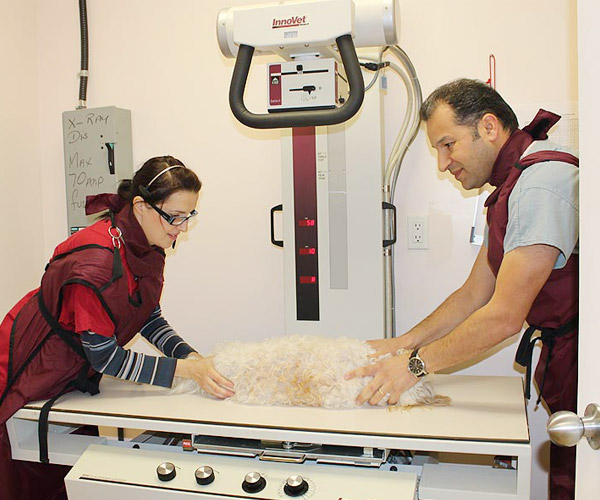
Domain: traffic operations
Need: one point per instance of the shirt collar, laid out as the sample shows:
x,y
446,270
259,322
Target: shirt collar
x,y
518,142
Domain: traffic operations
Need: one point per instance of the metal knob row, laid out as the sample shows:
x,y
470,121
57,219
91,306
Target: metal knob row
x,y
254,482
204,474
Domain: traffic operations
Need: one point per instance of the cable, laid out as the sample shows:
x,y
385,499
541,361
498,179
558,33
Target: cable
x,y
83,75
375,65
410,127
406,135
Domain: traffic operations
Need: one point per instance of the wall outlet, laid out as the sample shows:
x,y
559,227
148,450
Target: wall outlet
x,y
418,232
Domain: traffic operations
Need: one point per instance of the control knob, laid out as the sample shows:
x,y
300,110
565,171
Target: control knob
x,y
166,471
205,475
295,486
253,482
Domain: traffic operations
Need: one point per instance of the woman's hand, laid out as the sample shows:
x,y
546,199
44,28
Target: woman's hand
x,y
390,376
193,355
203,372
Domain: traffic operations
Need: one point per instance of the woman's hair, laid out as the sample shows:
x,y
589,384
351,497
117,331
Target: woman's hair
x,y
156,180
470,100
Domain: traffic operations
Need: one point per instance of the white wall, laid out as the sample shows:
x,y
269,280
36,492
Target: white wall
x,y
588,460
21,258
160,59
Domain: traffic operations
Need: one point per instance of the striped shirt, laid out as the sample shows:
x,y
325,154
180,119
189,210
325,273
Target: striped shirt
x,y
106,356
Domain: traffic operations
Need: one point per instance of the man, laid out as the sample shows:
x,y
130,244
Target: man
x,y
527,269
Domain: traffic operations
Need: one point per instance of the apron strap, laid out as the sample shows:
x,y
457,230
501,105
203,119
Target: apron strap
x,y
14,377
81,383
66,336
524,356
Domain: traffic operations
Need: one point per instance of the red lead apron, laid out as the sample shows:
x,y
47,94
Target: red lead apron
x,y
555,310
42,360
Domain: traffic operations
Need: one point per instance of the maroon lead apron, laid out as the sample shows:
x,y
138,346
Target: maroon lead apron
x,y
555,310
45,359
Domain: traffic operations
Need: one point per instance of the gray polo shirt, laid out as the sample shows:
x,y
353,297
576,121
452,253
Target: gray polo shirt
x,y
543,207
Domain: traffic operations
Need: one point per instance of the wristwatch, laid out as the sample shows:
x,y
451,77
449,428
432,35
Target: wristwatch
x,y
416,365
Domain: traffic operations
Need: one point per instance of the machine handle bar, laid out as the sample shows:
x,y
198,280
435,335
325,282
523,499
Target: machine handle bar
x,y
276,208
389,206
309,118
286,459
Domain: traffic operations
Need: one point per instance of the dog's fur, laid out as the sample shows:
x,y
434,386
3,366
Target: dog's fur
x,y
301,371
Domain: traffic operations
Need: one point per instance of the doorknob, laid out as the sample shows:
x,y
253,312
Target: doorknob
x,y
566,428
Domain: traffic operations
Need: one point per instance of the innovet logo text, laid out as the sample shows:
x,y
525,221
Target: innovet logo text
x,y
290,22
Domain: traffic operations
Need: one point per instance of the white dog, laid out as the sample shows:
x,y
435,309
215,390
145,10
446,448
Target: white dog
x,y
301,371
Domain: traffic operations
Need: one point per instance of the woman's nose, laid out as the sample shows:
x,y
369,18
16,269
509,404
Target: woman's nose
x,y
183,227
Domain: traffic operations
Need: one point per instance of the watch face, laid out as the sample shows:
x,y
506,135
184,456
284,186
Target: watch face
x,y
416,366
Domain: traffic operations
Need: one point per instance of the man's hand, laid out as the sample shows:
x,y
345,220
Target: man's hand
x,y
388,346
203,372
390,376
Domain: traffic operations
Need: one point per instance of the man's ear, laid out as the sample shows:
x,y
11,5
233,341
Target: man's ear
x,y
490,127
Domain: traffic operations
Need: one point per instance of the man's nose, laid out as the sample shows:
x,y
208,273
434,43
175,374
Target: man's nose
x,y
444,161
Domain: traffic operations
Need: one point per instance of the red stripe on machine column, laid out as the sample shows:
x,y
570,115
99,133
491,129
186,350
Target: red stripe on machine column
x,y
305,215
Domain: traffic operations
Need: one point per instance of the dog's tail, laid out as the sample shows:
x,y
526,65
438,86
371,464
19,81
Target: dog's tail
x,y
425,402
438,400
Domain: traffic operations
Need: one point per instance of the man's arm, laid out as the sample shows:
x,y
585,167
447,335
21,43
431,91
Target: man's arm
x,y
473,294
477,290
523,273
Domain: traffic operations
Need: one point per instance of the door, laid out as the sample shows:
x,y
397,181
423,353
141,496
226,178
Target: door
x,y
588,460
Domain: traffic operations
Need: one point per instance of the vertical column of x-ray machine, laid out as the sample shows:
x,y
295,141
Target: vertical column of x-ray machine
x,y
333,161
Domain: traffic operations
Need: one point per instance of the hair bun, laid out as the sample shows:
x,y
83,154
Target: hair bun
x,y
125,189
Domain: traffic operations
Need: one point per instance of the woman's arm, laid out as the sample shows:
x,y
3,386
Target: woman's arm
x,y
106,356
160,334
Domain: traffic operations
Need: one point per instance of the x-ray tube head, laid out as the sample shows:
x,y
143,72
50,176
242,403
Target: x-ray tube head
x,y
307,26
225,33
376,23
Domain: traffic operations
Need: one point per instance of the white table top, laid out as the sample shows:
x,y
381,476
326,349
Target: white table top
x,y
482,409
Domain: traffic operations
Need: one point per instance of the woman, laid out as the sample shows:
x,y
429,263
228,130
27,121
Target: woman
x,y
101,287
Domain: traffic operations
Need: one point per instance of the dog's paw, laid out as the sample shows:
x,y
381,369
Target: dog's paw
x,y
184,386
422,394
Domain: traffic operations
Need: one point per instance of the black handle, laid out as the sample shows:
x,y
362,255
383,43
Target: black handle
x,y
110,148
307,118
276,208
388,206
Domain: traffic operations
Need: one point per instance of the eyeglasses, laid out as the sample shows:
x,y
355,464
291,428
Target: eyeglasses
x,y
174,220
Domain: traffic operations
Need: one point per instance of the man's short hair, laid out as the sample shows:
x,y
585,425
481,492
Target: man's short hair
x,y
470,100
